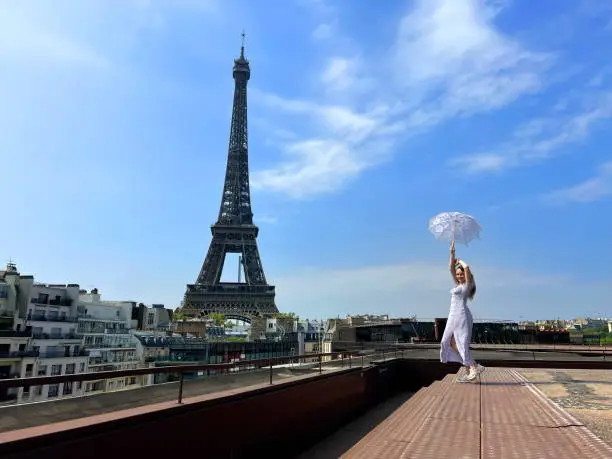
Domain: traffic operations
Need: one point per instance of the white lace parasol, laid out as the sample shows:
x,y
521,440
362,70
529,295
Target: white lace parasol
x,y
455,226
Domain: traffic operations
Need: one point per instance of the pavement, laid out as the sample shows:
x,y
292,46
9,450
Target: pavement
x,y
585,394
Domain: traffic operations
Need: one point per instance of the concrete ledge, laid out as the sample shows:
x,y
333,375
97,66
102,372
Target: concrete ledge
x,y
64,409
208,424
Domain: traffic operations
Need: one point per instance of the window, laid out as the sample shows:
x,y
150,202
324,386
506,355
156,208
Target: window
x,y
82,367
56,370
53,390
42,370
79,385
67,388
132,381
70,367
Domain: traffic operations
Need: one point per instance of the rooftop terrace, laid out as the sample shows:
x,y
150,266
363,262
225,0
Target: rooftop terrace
x,y
521,408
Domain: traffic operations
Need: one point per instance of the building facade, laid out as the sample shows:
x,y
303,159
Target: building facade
x,y
52,316
106,330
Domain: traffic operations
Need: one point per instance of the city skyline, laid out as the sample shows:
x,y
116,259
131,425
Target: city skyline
x,y
118,118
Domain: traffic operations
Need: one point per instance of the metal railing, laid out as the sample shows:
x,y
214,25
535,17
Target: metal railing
x,y
19,354
605,351
52,318
313,361
74,336
52,301
105,331
15,333
62,354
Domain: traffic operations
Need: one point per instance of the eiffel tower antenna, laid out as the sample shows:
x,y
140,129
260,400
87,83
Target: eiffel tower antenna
x,y
234,231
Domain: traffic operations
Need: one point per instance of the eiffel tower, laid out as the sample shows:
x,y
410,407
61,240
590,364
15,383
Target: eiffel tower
x,y
234,231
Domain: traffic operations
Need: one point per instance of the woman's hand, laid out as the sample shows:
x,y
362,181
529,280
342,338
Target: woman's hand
x,y
452,248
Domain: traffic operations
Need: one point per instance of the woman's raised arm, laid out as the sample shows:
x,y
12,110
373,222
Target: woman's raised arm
x,y
469,279
452,262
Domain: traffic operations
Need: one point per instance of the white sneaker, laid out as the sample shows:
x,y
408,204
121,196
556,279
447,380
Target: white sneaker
x,y
472,375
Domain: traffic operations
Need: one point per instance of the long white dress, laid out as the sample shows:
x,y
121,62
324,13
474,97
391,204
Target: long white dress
x,y
459,326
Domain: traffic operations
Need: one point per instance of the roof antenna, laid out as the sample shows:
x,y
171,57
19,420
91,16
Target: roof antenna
x,y
242,47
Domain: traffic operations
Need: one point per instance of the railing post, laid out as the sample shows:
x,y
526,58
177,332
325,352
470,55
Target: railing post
x,y
350,360
180,396
362,361
342,360
320,364
271,372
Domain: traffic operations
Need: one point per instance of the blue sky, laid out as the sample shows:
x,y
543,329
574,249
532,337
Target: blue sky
x,y
365,121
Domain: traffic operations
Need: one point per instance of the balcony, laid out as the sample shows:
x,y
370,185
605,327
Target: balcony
x,y
52,302
112,362
62,354
71,336
50,318
105,331
18,354
111,345
90,318
15,333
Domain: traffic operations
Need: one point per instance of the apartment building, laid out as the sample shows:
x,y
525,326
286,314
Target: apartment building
x,y
51,315
16,359
106,328
38,335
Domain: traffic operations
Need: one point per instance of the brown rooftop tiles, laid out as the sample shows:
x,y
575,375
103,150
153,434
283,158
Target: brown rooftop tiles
x,y
501,416
441,439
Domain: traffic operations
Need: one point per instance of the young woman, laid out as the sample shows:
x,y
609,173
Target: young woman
x,y
455,344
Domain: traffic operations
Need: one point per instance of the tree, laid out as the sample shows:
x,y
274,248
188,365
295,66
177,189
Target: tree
x,y
178,316
218,318
285,315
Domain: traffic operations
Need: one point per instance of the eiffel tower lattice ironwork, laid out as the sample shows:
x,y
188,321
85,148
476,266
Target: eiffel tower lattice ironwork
x,y
234,231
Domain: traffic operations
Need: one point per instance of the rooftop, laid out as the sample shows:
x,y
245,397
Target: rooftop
x,y
405,407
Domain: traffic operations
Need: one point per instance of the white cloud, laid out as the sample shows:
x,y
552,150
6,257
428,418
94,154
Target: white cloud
x,y
266,219
345,74
338,73
421,288
590,190
540,139
349,143
322,32
448,60
460,62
